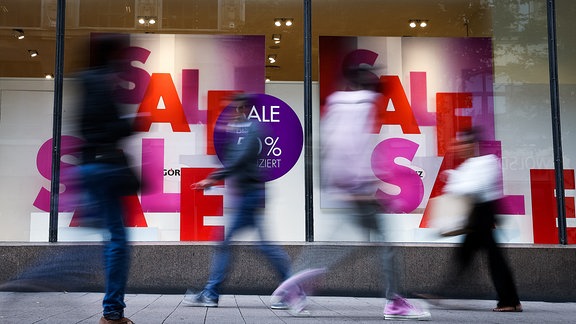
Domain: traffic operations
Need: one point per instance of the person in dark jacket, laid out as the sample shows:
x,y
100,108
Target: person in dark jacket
x,y
244,177
104,166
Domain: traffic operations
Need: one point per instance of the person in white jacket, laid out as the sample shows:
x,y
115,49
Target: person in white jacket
x,y
478,177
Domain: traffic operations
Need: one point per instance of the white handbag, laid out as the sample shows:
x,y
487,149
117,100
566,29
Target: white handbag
x,y
449,213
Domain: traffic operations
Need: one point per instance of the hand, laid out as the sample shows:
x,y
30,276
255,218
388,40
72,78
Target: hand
x,y
206,183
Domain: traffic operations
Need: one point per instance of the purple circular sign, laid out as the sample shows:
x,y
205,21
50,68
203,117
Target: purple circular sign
x,y
281,136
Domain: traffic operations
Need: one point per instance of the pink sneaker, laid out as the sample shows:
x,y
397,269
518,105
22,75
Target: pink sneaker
x,y
400,309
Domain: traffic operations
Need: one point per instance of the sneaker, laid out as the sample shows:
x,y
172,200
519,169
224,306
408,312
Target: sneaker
x,y
280,305
200,299
400,309
291,298
123,320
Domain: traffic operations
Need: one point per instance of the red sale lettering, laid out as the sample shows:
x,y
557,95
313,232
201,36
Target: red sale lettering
x,y
448,123
217,101
133,214
161,86
402,113
544,210
196,205
419,99
386,169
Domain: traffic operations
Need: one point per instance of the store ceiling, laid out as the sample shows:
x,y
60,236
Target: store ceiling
x,y
37,18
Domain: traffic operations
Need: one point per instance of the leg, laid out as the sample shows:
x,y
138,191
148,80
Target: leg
x,y
502,276
278,258
221,260
116,258
367,212
499,270
275,254
116,251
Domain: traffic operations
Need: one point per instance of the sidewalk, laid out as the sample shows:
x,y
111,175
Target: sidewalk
x,y
66,308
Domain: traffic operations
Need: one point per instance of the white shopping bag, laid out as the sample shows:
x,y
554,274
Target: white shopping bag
x,y
449,213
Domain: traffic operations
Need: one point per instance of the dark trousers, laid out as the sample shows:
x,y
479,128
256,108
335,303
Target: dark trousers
x,y
482,220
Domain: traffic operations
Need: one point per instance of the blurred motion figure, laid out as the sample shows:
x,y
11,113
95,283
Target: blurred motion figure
x,y
478,178
105,171
245,179
346,149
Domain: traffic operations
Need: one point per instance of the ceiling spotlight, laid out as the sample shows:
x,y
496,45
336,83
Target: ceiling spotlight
x,y
413,23
49,76
268,79
276,38
272,58
33,53
147,20
18,33
286,21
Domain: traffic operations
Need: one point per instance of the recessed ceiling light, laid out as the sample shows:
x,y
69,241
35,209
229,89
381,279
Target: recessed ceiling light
x,y
18,33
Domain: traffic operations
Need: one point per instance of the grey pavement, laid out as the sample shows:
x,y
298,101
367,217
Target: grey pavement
x,y
61,307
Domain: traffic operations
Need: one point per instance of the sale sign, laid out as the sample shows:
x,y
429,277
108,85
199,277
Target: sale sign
x,y
431,88
178,86
280,138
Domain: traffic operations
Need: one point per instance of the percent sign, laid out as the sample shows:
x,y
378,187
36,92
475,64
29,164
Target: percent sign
x,y
272,148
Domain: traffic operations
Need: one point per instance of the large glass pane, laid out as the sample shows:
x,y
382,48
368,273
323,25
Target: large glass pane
x,y
481,62
187,59
461,63
27,42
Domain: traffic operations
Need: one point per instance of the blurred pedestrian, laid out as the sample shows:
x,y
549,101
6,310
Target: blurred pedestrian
x,y
478,178
105,169
244,177
346,149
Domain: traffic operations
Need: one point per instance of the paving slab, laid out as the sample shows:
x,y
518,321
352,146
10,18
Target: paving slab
x,y
77,307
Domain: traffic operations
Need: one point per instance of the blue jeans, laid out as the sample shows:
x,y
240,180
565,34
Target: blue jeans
x,y
98,180
247,215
